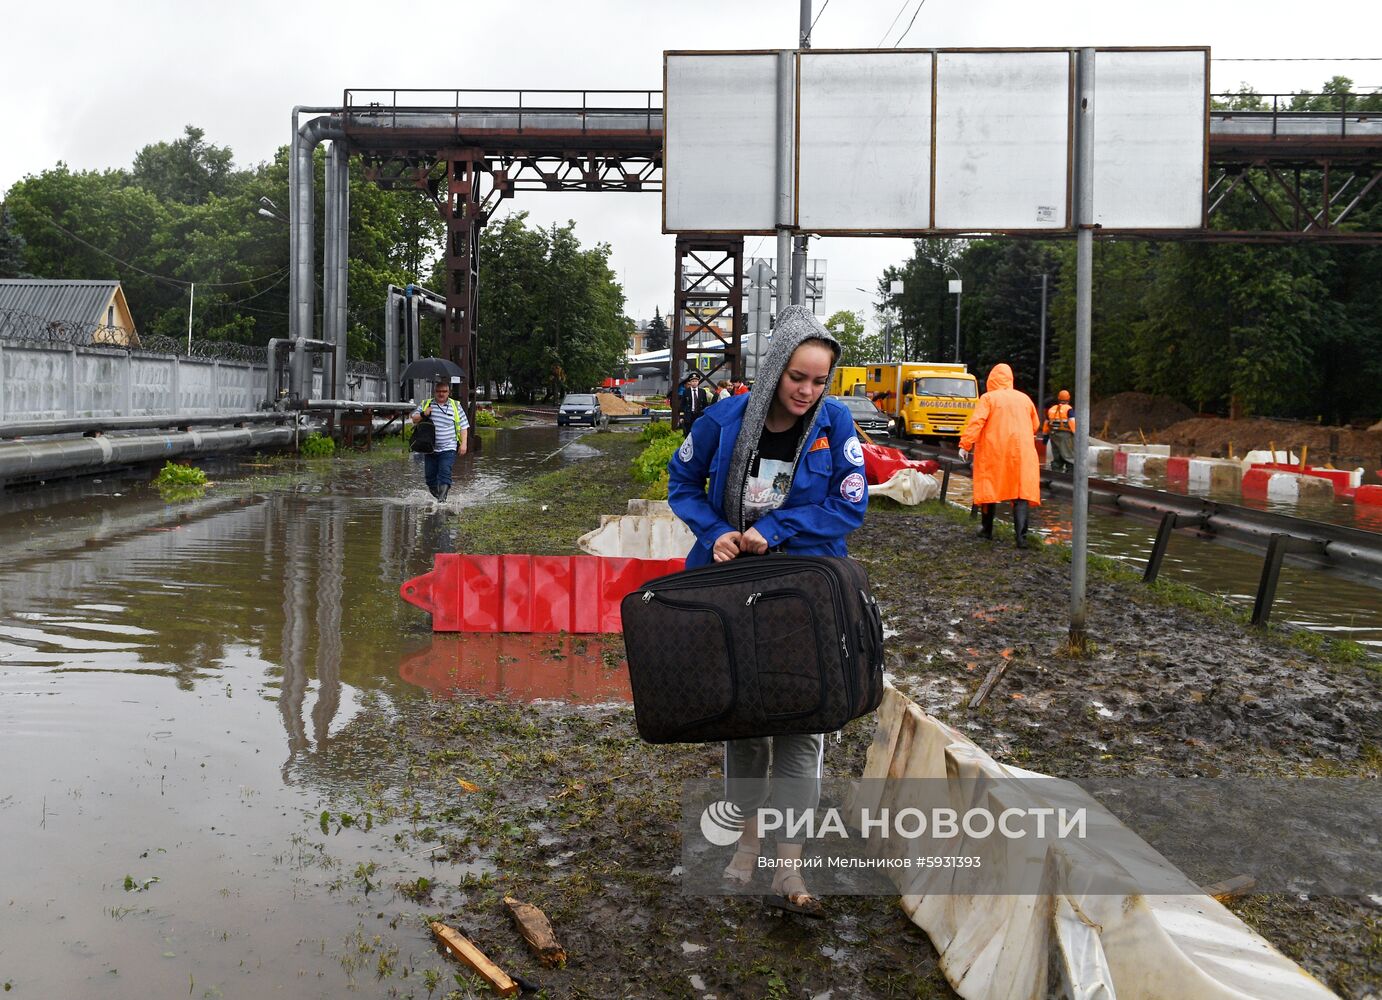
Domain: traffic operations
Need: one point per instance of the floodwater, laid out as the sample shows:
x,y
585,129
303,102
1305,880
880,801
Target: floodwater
x,y
177,687
1327,603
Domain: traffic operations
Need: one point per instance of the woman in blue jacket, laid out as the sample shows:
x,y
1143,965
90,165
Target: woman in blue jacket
x,y
785,473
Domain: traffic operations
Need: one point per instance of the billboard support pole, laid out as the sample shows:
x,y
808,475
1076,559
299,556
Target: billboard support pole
x,y
1084,298
785,79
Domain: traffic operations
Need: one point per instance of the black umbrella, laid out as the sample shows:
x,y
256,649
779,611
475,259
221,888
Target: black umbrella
x,y
432,369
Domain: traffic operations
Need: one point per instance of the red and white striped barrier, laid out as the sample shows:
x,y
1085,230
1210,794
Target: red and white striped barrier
x,y
1204,474
1368,496
1346,481
1272,484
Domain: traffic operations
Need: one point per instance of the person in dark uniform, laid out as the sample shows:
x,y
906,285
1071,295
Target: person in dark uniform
x,y
694,400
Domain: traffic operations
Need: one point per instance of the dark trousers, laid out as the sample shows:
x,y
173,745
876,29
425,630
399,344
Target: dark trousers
x,y
437,468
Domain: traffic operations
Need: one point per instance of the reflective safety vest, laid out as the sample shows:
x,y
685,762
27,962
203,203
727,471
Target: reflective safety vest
x,y
455,408
1058,418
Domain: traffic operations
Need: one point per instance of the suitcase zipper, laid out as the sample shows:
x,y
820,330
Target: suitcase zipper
x,y
714,612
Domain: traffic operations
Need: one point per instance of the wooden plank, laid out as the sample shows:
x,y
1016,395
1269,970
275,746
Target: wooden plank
x,y
995,674
461,948
1231,888
537,931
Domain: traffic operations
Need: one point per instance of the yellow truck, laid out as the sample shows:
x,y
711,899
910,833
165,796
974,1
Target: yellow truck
x,y
848,380
925,400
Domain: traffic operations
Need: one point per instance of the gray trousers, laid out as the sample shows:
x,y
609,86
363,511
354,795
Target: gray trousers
x,y
782,772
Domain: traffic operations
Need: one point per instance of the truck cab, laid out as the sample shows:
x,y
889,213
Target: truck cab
x,y
849,380
925,400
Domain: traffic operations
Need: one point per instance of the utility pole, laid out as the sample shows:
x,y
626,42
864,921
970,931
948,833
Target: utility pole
x,y
1084,301
1041,358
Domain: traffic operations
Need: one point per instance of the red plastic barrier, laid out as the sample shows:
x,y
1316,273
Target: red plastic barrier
x,y
1341,478
1178,471
517,593
520,667
1369,496
881,463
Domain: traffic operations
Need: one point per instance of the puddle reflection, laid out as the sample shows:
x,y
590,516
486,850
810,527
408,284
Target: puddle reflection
x,y
519,666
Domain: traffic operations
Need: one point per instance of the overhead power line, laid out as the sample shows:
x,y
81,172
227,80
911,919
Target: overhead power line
x,y
176,282
818,14
910,23
1301,59
890,26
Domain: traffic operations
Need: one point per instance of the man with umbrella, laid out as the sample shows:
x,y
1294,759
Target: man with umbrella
x,y
452,430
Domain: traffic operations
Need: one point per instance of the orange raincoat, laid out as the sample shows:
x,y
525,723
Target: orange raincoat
x,y
1002,435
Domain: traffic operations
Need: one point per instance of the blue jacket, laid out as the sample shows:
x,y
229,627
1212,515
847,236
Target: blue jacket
x,y
827,501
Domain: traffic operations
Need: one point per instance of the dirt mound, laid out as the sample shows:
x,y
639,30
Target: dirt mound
x,y
617,406
1345,446
1130,412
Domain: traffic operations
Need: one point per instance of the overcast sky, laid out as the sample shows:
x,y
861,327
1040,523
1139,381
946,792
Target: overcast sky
x,y
90,82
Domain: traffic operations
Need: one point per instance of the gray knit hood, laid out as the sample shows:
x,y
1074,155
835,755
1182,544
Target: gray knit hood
x,y
794,325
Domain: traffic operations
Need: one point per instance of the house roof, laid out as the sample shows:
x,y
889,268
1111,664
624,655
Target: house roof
x,y
58,301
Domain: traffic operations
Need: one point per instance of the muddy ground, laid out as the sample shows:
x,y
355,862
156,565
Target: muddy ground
x,y
571,811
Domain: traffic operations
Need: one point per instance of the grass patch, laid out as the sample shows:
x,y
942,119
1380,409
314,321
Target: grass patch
x,y
180,483
317,446
650,466
173,475
546,514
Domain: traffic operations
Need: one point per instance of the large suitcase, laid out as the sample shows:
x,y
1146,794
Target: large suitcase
x,y
758,646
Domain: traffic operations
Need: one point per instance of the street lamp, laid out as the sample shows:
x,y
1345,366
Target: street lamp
x,y
270,211
894,289
956,289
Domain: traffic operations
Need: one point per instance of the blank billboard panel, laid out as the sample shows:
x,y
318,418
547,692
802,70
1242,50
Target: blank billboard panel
x,y
720,143
1003,140
864,141
1149,138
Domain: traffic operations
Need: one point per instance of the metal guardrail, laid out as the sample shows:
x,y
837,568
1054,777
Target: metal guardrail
x,y
533,108
1285,117
1352,552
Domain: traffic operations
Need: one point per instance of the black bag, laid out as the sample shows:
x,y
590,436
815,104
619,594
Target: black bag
x,y
758,646
424,435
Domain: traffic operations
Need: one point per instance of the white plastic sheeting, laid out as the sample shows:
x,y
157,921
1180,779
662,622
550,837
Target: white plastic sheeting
x,y
908,486
648,531
1003,947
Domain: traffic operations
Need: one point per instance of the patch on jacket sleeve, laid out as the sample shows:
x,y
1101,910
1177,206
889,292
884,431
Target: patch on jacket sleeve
x,y
852,488
686,450
854,451
822,444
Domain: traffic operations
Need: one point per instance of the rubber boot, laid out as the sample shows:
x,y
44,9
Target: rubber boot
x,y
1020,522
986,522
436,493
442,492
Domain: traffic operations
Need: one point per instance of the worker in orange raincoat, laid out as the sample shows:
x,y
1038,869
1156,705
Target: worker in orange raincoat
x,y
1059,431
1001,437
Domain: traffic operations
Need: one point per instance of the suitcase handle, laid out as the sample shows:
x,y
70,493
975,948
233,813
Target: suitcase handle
x,y
874,627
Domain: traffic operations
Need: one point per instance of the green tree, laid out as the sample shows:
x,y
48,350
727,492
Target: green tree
x,y
553,314
658,338
187,170
857,347
11,246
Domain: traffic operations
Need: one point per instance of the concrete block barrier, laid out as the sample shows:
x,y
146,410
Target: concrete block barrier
x,y
1101,458
1214,474
1271,484
1138,463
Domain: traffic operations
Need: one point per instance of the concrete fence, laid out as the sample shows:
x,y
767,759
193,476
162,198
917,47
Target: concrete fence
x,y
60,381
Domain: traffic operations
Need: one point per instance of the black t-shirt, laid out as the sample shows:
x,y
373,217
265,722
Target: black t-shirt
x,y
770,476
